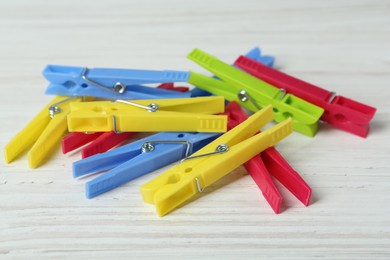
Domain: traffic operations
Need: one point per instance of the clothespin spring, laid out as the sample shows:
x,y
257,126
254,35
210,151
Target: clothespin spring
x,y
244,96
119,88
151,108
200,189
332,96
55,109
283,93
149,147
220,149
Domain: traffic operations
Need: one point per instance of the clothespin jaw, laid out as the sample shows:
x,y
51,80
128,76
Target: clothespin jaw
x,y
253,94
341,112
138,158
183,181
186,115
42,133
111,83
349,115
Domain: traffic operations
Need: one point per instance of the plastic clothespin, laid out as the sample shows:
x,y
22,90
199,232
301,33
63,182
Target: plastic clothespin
x,y
341,112
179,184
253,93
255,54
111,83
75,140
42,133
137,159
101,142
169,115
270,162
171,86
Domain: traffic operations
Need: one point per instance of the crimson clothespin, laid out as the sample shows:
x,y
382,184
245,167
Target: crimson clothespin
x,y
170,86
101,142
341,112
270,162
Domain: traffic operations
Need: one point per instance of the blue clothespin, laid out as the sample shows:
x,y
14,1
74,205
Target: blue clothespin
x,y
254,54
138,158
111,83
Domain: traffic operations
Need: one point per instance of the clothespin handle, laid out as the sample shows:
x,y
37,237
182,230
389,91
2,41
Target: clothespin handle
x,y
271,162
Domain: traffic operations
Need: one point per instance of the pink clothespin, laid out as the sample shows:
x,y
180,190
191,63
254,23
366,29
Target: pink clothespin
x,y
270,162
341,112
101,142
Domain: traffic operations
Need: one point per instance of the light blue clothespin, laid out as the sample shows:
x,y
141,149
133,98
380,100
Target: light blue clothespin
x,y
138,158
111,83
254,54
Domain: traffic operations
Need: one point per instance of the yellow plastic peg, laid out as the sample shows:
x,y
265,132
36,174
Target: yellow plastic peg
x,y
183,181
179,114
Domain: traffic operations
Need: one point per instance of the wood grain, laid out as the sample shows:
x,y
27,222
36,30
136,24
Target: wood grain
x,y
340,45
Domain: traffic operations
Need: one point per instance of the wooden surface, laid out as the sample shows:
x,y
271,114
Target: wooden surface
x,y
340,45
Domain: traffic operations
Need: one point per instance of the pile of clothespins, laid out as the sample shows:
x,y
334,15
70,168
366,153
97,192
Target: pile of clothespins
x,y
103,108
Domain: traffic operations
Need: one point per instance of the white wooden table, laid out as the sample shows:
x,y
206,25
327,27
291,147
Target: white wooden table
x,y
339,45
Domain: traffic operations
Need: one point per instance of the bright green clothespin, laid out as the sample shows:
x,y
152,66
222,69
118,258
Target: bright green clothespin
x,y
254,94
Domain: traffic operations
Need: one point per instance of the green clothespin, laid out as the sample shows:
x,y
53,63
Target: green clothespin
x,y
254,94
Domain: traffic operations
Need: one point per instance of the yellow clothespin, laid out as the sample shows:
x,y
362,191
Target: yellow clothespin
x,y
42,133
179,114
193,174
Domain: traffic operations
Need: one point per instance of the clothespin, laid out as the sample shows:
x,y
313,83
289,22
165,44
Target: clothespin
x,y
137,159
101,142
171,86
270,162
253,93
341,112
169,115
111,83
255,54
42,133
179,184
98,142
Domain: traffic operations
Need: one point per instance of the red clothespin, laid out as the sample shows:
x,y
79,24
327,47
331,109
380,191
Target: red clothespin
x,y
73,141
270,162
170,86
341,112
101,142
